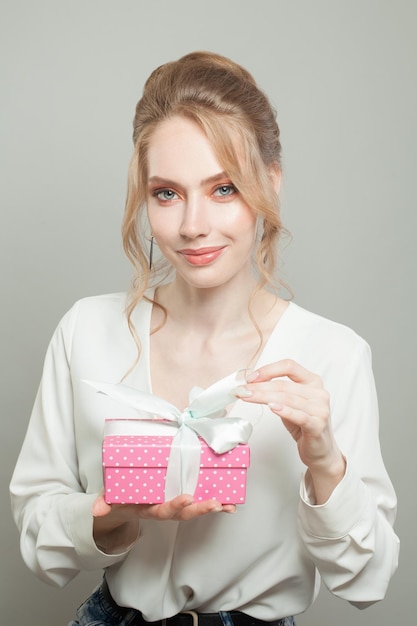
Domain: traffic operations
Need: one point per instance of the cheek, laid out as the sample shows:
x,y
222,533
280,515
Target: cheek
x,y
161,224
247,223
240,216
162,232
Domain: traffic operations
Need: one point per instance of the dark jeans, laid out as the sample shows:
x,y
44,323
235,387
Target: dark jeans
x,y
101,610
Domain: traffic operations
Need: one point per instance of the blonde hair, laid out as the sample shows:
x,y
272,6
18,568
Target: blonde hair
x,y
238,119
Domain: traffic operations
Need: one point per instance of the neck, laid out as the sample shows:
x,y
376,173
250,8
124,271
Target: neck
x,y
210,311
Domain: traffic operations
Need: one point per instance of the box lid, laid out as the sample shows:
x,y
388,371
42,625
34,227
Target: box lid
x,y
154,450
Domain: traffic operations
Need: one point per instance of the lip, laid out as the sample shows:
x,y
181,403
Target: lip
x,y
202,256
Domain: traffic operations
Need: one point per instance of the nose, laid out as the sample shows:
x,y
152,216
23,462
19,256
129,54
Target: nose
x,y
195,219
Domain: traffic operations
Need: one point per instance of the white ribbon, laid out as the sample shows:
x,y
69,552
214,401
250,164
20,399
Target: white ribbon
x,y
203,417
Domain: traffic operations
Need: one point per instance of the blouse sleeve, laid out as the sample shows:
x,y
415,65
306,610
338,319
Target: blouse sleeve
x,y
49,503
350,538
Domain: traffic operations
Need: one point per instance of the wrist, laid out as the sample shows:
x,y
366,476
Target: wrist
x,y
113,537
326,476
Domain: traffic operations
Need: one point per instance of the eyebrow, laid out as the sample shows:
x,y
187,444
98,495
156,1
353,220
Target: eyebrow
x,y
171,183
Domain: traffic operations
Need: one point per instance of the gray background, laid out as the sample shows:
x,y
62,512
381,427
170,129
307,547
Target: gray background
x,y
342,75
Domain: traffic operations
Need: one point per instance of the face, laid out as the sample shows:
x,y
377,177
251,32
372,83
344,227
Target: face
x,y
197,217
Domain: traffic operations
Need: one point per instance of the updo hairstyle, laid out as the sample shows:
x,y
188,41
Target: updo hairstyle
x,y
239,121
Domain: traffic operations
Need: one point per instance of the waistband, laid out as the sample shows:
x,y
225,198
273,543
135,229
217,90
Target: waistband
x,y
194,618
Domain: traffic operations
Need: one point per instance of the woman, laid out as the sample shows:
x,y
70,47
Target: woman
x,y
203,189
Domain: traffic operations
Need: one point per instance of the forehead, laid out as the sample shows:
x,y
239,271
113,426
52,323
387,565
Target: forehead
x,y
179,149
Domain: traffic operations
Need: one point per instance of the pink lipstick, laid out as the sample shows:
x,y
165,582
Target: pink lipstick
x,y
202,256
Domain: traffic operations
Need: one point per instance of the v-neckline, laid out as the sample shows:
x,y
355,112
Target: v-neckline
x,y
145,340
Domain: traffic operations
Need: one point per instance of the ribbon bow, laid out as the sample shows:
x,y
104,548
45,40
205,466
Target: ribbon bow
x,y
203,417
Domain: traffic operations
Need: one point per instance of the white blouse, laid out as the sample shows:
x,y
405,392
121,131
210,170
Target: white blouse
x,y
267,558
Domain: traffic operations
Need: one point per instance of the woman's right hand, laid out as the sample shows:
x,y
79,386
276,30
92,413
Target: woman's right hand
x,y
182,508
117,519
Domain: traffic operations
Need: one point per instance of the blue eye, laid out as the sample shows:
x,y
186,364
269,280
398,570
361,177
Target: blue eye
x,y
225,190
165,194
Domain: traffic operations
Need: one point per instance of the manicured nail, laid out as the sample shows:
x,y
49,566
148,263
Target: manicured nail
x,y
251,376
275,407
242,392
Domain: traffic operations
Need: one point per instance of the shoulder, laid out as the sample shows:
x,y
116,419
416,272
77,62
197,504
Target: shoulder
x,y
96,328
315,323
105,316
94,309
323,337
105,304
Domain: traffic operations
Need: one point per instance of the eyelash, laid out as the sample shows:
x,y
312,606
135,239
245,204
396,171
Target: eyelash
x,y
228,186
231,191
157,194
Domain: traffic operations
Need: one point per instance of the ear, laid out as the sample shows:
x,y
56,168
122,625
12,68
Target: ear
x,y
275,175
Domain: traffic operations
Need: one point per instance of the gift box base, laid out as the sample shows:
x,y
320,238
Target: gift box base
x,y
134,470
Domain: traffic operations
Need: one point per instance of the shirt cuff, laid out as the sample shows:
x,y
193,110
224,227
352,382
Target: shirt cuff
x,y
80,522
342,511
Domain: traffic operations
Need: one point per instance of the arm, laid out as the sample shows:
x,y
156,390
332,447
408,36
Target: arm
x,y
64,523
49,503
345,514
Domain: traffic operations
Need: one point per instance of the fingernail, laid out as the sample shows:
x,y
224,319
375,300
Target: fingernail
x,y
242,392
252,376
275,407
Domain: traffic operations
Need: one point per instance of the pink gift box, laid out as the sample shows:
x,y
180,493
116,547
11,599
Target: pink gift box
x,y
134,469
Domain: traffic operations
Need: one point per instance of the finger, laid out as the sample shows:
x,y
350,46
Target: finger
x,y
257,390
290,414
298,420
311,400
100,507
199,509
229,508
180,508
287,367
167,510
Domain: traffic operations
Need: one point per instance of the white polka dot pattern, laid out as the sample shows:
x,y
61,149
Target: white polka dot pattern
x,y
134,468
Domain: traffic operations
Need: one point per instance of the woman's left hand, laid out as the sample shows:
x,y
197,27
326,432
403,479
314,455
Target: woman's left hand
x,y
298,397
